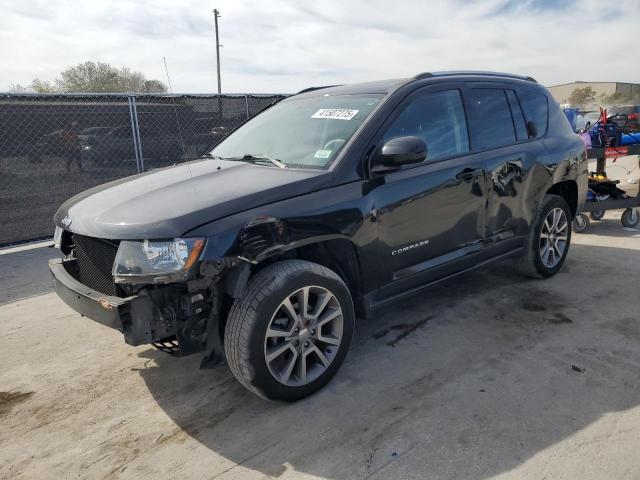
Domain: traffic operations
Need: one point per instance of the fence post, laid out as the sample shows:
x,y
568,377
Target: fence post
x,y
246,102
137,128
133,131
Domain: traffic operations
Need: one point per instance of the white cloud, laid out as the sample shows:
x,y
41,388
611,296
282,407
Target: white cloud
x,y
284,46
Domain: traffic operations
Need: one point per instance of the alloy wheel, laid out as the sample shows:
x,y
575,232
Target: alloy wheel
x,y
303,336
554,237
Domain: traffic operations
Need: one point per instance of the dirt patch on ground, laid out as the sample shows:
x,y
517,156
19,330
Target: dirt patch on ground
x,y
10,399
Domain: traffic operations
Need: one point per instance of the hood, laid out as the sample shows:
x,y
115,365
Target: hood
x,y
169,202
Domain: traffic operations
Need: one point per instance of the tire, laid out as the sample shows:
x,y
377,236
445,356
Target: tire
x,y
630,218
253,334
536,262
597,215
580,224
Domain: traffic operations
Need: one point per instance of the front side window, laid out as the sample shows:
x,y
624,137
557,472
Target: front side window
x,y
438,118
493,125
536,111
300,132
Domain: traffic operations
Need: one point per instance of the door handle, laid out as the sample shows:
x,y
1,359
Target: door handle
x,y
469,174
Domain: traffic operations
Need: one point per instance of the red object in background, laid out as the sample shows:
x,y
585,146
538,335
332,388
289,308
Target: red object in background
x,y
603,116
615,152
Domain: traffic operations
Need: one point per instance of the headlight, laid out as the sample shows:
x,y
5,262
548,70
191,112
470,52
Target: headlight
x,y
160,260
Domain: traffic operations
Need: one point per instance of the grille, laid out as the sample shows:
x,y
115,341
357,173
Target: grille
x,y
95,258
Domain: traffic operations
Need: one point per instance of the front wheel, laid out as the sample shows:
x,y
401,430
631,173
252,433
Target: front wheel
x,y
290,332
549,240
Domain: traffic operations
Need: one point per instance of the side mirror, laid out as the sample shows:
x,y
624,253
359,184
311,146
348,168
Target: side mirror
x,y
401,151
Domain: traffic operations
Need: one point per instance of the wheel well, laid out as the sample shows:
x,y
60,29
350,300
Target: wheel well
x,y
568,190
338,255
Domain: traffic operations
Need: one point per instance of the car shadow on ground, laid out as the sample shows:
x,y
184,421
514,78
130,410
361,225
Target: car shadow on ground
x,y
468,380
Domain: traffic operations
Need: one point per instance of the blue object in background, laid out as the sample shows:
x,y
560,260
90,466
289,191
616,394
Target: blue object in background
x,y
605,135
630,138
572,116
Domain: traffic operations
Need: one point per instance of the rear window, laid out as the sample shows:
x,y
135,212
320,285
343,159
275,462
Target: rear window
x,y
494,125
536,112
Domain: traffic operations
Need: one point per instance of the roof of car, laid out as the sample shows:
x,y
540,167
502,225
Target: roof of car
x,y
377,87
387,86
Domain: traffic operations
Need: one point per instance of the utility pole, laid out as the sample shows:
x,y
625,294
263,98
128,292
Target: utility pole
x,y
216,14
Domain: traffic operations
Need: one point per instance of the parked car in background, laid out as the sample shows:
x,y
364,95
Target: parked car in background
x,y
330,204
586,120
116,146
208,132
48,145
627,116
92,132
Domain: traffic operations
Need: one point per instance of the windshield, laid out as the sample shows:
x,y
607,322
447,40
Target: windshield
x,y
305,132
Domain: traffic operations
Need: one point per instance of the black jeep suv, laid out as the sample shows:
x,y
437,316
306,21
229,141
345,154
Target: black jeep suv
x,y
324,207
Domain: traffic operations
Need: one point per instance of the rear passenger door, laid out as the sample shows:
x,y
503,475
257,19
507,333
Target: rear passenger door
x,y
506,140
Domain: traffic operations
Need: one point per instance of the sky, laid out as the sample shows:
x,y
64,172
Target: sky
x,y
277,46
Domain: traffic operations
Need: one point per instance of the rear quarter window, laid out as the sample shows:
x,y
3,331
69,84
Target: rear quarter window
x,y
535,107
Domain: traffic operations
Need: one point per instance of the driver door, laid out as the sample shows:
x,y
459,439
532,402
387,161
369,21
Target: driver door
x,y
430,216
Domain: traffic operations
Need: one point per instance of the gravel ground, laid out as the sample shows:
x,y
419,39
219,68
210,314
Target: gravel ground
x,y
489,375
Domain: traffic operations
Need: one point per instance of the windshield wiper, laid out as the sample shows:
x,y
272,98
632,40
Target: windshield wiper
x,y
249,157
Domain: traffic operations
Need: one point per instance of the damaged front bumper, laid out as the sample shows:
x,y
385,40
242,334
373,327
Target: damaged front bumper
x,y
180,318
132,316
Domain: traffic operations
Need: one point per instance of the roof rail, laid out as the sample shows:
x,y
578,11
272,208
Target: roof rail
x,y
480,73
311,89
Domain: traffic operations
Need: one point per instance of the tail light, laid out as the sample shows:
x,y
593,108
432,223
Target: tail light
x,y
634,116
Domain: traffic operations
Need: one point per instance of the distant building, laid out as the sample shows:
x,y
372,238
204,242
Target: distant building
x,y
562,92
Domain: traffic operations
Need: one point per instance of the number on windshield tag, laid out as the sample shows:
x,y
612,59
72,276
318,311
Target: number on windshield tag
x,y
335,113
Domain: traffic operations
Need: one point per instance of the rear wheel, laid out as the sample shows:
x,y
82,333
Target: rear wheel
x,y
290,332
549,240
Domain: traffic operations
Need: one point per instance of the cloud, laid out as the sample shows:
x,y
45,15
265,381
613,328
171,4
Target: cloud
x,y
284,46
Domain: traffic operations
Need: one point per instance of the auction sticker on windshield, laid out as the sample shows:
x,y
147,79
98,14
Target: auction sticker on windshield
x,y
335,113
322,154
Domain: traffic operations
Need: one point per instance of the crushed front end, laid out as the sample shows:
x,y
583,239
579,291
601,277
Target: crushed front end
x,y
175,307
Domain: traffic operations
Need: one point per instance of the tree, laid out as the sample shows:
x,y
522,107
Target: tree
x,y
36,86
42,86
581,97
154,86
92,77
17,88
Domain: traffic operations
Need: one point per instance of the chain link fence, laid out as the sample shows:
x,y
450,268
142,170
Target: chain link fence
x,y
55,146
